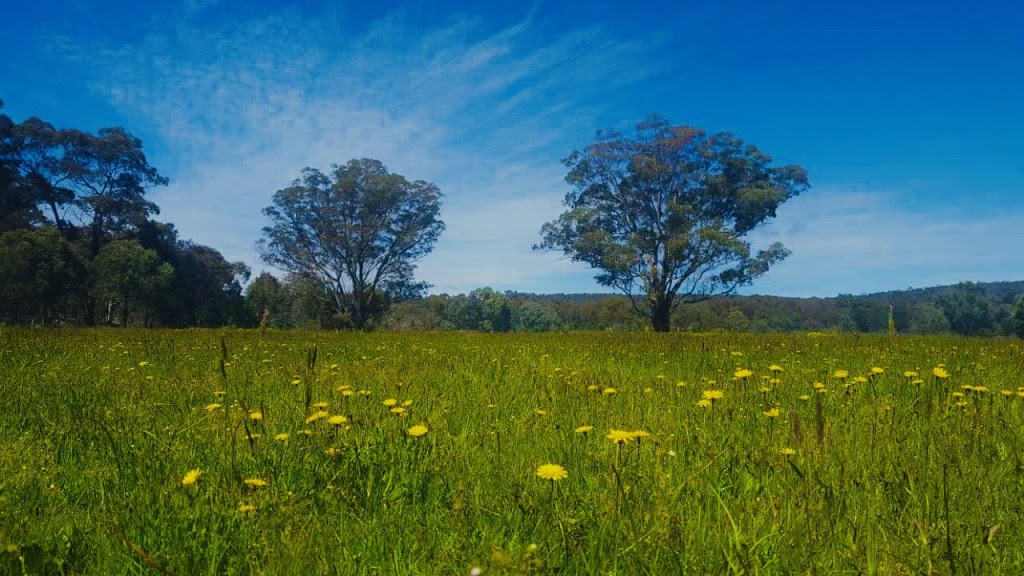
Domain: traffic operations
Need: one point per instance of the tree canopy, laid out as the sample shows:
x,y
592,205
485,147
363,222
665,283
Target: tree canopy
x,y
357,233
77,237
664,215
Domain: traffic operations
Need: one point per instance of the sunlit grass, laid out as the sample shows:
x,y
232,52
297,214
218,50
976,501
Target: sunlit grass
x,y
207,452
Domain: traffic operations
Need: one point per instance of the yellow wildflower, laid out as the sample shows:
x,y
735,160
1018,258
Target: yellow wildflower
x,y
619,436
552,472
191,476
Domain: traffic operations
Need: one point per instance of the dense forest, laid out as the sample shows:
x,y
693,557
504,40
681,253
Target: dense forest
x,y
976,309
79,245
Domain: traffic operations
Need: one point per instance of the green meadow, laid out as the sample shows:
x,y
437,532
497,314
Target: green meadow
x,y
241,452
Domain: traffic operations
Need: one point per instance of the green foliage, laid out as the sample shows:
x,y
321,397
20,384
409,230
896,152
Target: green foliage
x,y
968,311
664,215
357,233
129,275
102,178
889,472
38,269
1018,318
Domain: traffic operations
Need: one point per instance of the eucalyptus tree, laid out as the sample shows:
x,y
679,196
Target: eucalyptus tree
x,y
664,215
357,232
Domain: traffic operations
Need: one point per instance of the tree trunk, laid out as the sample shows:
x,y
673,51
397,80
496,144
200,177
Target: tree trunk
x,y
661,313
124,314
90,311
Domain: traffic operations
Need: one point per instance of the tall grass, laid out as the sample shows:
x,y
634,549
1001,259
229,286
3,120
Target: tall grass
x,y
791,471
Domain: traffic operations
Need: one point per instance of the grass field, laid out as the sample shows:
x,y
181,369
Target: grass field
x,y
228,452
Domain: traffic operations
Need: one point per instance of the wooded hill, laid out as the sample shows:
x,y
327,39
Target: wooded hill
x,y
994,308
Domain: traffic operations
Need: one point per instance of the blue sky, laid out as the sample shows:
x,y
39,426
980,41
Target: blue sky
x,y
907,115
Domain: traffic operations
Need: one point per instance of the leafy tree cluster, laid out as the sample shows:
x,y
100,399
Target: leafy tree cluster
x,y
994,309
78,243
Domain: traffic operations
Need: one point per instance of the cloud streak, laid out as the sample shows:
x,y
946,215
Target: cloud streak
x,y
483,113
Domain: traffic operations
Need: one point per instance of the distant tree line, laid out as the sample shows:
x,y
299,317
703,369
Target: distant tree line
x,y
987,309
78,244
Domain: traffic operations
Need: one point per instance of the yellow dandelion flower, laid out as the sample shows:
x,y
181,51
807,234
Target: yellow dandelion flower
x,y
346,393
638,434
321,405
212,407
143,364
332,451
397,410
917,381
940,372
704,403
859,379
957,394
255,482
191,476
337,420
713,395
805,397
407,403
552,472
910,374
877,370
540,412
417,430
619,436
316,416
245,508
281,437
788,452
743,374
680,384
256,415
772,413
818,385
296,382
1006,392
584,429
775,368
609,391
764,389
389,402
364,392
841,374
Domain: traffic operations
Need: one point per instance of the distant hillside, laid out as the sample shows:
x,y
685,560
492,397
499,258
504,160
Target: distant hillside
x,y
966,308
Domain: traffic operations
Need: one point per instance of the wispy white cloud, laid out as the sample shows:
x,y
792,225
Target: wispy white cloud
x,y
483,113
857,241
